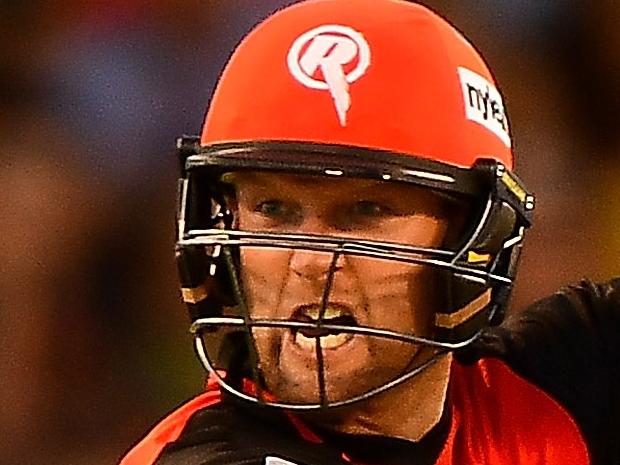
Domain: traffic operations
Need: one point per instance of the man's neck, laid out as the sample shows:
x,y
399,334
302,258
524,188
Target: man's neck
x,y
408,411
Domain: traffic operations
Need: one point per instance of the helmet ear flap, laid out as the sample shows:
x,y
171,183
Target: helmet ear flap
x,y
471,305
465,309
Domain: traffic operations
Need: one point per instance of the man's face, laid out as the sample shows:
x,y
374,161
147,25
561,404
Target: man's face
x,y
287,284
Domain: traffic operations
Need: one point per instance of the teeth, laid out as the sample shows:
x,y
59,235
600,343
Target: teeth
x,y
327,342
330,312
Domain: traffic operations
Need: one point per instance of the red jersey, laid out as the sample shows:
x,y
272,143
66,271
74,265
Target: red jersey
x,y
497,418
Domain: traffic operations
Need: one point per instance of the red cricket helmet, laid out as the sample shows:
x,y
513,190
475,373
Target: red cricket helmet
x,y
388,75
379,89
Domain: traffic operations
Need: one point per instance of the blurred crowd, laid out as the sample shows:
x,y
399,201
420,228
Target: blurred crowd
x,y
94,343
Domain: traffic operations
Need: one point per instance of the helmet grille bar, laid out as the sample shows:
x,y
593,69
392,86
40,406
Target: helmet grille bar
x,y
203,324
319,351
207,364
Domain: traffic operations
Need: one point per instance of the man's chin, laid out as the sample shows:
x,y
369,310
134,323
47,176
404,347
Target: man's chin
x,y
303,387
298,374
309,394
350,369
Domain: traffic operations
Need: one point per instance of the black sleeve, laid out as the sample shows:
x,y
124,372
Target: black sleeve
x,y
230,434
569,345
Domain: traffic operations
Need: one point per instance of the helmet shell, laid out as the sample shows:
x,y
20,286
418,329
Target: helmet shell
x,y
413,86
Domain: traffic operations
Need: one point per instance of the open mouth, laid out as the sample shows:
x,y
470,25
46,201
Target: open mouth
x,y
335,314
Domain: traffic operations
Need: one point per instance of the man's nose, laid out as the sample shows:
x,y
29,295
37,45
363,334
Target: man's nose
x,y
313,266
309,264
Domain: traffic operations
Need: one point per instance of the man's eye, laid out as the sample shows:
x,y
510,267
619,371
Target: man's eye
x,y
368,208
274,209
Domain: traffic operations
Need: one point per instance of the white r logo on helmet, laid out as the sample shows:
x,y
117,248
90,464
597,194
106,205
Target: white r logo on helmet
x,y
340,53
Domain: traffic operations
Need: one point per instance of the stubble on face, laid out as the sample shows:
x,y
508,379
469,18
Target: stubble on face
x,y
377,296
376,293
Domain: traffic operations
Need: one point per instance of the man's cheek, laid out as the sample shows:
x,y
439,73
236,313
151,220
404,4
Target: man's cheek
x,y
262,342
262,273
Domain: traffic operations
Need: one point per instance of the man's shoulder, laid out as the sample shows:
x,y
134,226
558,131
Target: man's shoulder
x,y
576,319
496,409
567,345
216,428
170,429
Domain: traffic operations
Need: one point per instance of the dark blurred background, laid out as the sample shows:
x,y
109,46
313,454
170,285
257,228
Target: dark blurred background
x,y
94,344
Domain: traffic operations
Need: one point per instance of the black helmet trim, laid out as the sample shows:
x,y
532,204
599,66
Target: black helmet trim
x,y
361,162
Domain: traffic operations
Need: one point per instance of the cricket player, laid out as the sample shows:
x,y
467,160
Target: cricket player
x,y
349,229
